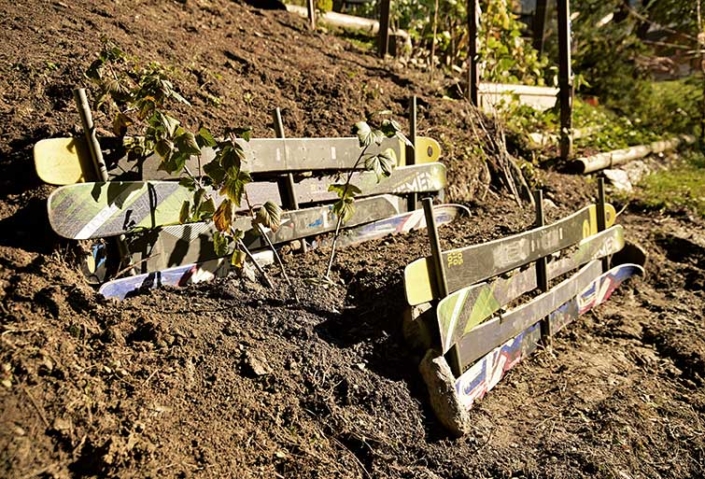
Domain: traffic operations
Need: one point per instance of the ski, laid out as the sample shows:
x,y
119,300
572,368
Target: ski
x,y
486,373
461,311
399,224
178,276
187,274
91,210
465,266
171,246
65,161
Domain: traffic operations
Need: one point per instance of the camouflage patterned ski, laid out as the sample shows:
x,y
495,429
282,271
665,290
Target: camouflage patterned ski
x,y
461,311
486,373
465,266
97,210
205,271
65,161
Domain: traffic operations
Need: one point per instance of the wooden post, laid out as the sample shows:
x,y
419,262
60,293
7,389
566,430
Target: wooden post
x,y
473,72
411,149
541,273
539,25
311,7
383,41
565,79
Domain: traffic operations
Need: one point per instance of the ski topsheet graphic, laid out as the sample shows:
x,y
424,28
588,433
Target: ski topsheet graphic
x,y
486,373
204,271
461,311
95,210
65,161
475,263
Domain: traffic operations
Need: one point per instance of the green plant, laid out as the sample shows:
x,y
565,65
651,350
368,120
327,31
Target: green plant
x,y
136,97
382,164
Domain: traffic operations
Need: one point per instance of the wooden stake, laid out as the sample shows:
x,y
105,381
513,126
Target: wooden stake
x,y
383,41
539,25
565,79
311,13
601,216
473,72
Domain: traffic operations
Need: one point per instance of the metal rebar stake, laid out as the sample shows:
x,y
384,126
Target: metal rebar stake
x,y
411,149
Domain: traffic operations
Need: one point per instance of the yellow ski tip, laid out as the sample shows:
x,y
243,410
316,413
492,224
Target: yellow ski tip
x,y
417,282
427,150
58,161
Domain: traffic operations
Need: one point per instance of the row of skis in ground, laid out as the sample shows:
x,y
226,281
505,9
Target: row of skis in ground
x,y
472,310
142,206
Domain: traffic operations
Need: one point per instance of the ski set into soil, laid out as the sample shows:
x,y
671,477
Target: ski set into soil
x,y
143,208
479,330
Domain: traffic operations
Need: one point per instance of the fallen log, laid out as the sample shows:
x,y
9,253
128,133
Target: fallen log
x,y
590,164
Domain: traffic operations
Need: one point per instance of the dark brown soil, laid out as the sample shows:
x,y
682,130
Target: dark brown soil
x,y
230,379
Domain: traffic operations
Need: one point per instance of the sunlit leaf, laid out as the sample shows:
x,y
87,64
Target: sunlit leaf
x,y
363,132
206,209
185,213
230,157
223,216
234,186
205,138
169,123
220,243
344,191
186,143
269,215
382,164
238,259
344,209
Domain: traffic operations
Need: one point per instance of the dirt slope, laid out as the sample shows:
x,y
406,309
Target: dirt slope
x,y
234,380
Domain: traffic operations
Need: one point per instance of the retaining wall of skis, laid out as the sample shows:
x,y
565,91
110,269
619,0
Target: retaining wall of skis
x,y
468,307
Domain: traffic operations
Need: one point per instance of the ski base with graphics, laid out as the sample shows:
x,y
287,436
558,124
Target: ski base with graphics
x,y
461,311
66,161
464,266
486,373
183,275
97,210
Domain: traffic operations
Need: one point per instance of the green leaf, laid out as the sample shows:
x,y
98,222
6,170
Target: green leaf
x,y
345,191
169,123
214,171
120,124
206,209
205,138
363,132
164,148
382,164
404,139
238,259
269,215
185,212
234,186
244,133
188,182
186,143
220,243
344,209
230,157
